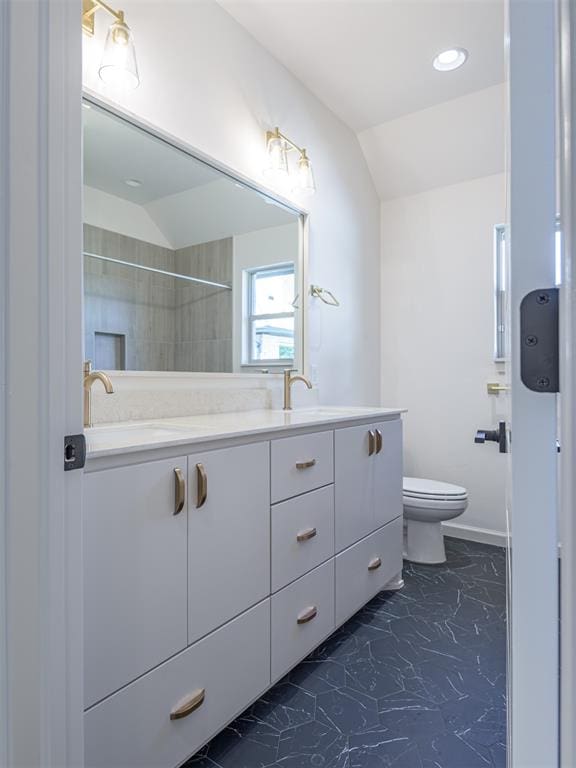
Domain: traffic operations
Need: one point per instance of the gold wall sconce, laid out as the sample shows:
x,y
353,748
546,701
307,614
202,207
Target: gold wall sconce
x,y
277,147
118,65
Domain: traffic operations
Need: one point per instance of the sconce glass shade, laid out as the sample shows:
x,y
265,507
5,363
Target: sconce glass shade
x,y
304,176
277,167
118,65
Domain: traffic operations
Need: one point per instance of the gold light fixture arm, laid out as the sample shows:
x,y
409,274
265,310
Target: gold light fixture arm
x,y
277,134
89,8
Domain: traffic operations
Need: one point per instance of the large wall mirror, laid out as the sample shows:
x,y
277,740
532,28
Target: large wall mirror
x,y
186,268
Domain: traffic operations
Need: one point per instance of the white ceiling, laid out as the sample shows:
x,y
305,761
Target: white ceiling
x,y
446,144
181,201
115,151
370,61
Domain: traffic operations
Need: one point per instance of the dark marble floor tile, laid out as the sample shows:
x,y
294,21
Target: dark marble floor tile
x,y
416,679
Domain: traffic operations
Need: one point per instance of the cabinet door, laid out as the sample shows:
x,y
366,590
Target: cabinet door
x,y
135,573
228,534
388,473
354,492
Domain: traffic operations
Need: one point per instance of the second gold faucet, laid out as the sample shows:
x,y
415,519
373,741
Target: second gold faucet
x,y
288,381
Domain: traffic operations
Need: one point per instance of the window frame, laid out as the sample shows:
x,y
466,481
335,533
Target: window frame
x,y
251,317
500,296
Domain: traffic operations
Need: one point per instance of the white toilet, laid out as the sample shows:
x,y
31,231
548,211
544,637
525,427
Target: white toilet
x,y
427,504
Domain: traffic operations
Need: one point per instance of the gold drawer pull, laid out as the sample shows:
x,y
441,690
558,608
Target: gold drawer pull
x,y
306,464
307,615
371,442
373,565
202,480
309,533
180,491
378,441
191,703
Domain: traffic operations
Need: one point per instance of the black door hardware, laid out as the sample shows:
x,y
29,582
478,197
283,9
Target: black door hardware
x,y
74,452
539,348
494,436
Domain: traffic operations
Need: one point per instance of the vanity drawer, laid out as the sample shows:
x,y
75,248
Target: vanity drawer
x,y
134,726
302,616
302,535
365,568
301,463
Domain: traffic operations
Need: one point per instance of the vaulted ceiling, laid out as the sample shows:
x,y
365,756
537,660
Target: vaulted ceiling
x,y
370,62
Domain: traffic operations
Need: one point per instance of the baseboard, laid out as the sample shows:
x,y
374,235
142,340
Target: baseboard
x,y
470,533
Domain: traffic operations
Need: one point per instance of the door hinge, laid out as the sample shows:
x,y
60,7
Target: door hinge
x,y
539,344
74,452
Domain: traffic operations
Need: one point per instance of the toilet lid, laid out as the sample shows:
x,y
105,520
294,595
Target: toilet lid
x,y
420,488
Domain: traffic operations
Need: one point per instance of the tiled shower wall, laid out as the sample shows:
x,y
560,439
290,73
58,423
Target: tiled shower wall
x,y
164,324
204,313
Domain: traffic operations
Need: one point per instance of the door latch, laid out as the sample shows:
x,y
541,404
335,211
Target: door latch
x,y
539,345
494,436
74,452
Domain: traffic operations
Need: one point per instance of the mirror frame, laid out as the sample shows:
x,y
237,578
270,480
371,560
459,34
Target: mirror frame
x,y
301,360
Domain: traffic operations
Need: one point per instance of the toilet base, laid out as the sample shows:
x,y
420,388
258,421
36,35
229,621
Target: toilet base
x,y
424,543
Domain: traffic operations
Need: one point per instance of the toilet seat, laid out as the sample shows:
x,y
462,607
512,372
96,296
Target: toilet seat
x,y
417,488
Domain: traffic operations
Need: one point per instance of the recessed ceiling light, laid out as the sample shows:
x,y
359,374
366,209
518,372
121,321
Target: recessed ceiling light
x,y
450,59
86,106
133,182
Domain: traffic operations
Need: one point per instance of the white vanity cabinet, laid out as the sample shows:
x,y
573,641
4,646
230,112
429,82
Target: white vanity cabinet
x,y
196,604
135,573
228,534
368,479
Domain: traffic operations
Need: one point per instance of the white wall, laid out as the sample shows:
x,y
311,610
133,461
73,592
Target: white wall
x,y
207,81
263,248
437,344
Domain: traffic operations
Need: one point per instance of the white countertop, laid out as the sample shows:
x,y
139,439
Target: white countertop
x,y
131,437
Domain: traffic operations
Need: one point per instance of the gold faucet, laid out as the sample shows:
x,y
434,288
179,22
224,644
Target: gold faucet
x,y
90,377
288,381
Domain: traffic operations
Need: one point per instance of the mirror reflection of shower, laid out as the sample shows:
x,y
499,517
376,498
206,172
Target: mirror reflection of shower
x,y
185,268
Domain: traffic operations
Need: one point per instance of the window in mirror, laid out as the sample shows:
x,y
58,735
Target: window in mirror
x,y
271,294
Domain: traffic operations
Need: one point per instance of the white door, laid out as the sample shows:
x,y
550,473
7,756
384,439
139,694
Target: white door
x,y
533,508
40,383
567,187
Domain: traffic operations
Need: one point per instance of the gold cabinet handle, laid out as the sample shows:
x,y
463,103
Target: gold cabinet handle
x,y
378,441
374,564
189,705
309,533
307,615
306,464
179,491
371,442
202,482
